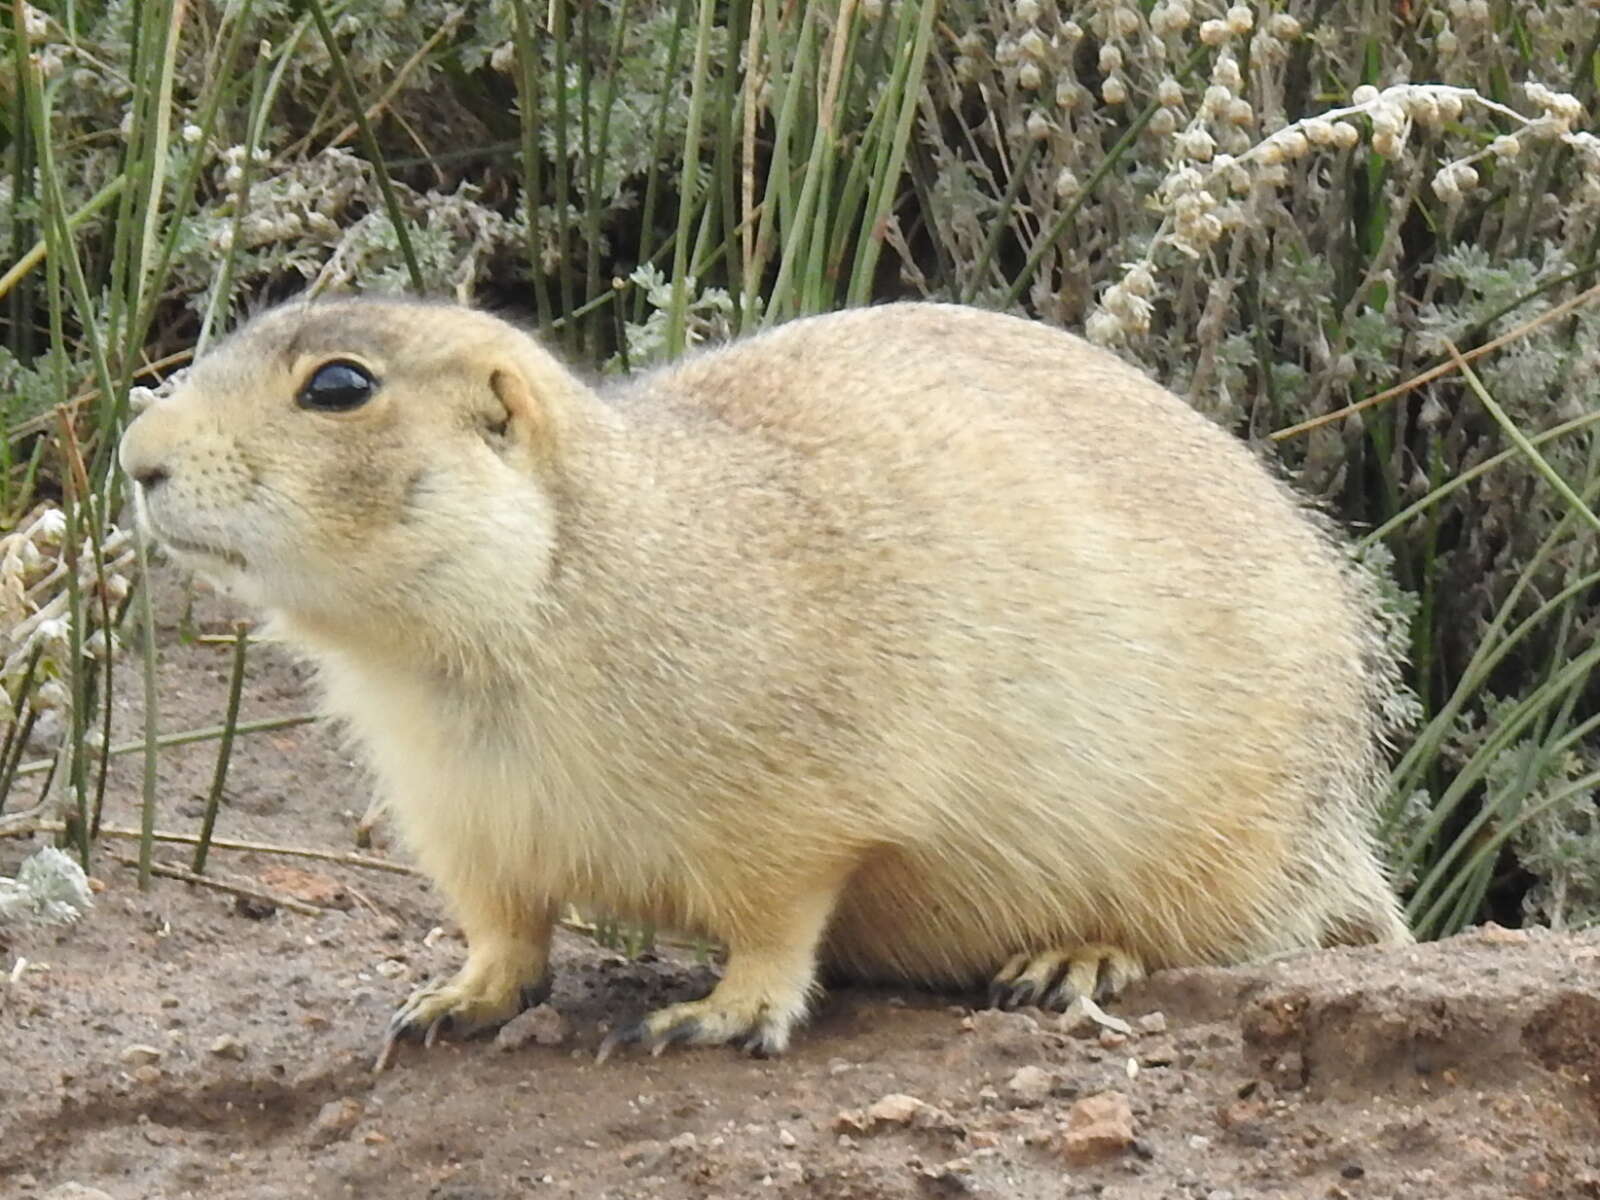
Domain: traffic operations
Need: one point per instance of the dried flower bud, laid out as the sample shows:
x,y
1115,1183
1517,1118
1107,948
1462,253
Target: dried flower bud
x,y
1029,76
1240,112
1113,90
1163,122
191,132
1423,109
1066,184
1213,33
1240,20
1071,32
1102,328
1026,11
1293,141
1365,94
1110,59
1125,21
1169,91
1070,95
1039,126
1389,119
1226,73
1284,26
1505,146
1346,135
1033,45
1139,281
1197,144
1216,100
1386,143
503,58
1446,42
1319,131
1178,16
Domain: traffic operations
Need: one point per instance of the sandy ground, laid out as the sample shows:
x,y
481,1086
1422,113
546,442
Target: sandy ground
x,y
185,1043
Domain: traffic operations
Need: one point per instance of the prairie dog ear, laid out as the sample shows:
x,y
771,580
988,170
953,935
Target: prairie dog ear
x,y
515,415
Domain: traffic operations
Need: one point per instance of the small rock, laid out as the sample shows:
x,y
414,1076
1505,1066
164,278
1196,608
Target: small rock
x,y
335,1120
75,1191
1499,935
139,1054
228,1046
684,1143
541,1024
1029,1086
849,1120
894,1109
1155,1022
1098,1127
147,1074
786,1139
1110,1039
157,1134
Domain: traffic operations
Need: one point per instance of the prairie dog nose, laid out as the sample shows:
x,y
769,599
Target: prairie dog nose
x,y
142,463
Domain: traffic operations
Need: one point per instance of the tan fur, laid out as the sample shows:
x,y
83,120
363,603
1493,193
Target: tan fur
x,y
916,638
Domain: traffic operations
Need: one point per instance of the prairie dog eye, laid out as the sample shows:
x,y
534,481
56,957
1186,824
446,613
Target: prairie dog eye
x,y
337,386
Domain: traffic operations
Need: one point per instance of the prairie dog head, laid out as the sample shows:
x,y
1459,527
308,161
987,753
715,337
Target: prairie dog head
x,y
341,461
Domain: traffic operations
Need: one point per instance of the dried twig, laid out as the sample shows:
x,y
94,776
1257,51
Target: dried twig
x,y
168,871
190,839
1443,368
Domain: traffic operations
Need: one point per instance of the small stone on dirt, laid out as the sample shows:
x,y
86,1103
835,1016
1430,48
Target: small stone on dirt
x,y
786,1139
541,1024
139,1054
334,1121
228,1046
1029,1086
894,1109
1155,1022
1098,1127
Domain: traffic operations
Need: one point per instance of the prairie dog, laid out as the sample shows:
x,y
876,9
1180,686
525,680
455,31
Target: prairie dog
x,y
914,642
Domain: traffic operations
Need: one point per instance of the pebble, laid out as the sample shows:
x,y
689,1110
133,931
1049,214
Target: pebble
x,y
75,1191
896,1108
228,1046
1029,1086
786,1139
140,1054
541,1024
1155,1022
1098,1127
335,1120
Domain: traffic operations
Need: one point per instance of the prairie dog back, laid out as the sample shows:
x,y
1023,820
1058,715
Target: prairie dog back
x,y
921,642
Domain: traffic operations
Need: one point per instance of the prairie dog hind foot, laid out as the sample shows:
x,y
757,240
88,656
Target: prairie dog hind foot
x,y
764,992
1054,979
737,1017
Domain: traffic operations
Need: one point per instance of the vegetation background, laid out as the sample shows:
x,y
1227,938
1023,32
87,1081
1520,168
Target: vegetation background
x,y
1298,213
